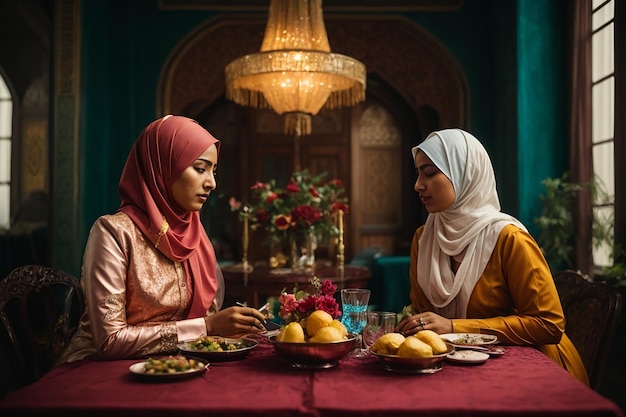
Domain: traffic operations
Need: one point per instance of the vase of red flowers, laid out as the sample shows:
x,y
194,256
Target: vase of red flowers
x,y
298,215
302,245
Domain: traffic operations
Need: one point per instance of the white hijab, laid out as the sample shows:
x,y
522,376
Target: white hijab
x,y
467,230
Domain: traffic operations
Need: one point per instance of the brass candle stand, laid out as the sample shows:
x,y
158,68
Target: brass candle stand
x,y
340,246
244,265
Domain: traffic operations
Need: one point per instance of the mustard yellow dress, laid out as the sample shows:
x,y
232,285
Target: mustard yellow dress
x,y
515,299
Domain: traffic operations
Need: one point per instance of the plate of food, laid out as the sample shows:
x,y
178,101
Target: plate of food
x,y
469,339
217,348
467,357
168,368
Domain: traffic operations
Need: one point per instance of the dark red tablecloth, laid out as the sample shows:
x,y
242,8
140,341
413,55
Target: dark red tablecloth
x,y
523,382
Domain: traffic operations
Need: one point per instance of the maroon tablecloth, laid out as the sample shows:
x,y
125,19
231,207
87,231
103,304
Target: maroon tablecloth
x,y
523,382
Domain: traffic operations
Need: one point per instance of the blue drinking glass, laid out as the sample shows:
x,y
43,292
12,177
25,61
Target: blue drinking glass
x,y
354,314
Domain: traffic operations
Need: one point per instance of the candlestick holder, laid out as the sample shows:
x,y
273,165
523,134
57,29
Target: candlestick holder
x,y
340,246
244,265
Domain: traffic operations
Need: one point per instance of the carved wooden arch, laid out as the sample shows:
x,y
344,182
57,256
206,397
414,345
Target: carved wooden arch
x,y
408,57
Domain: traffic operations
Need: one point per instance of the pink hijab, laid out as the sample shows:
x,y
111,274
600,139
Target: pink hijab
x,y
164,149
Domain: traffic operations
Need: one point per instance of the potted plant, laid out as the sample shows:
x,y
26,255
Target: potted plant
x,y
556,224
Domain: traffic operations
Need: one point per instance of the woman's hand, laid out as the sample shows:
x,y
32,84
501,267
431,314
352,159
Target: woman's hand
x,y
235,322
424,321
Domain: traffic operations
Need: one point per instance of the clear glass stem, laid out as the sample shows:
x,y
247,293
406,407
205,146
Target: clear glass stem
x,y
358,351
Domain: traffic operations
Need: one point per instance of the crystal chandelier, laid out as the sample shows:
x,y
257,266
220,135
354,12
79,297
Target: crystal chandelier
x,y
295,73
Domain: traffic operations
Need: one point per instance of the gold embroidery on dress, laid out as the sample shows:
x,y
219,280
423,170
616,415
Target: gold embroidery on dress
x,y
164,227
115,307
168,340
169,336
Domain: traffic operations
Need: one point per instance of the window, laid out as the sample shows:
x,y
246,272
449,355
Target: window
x,y
6,127
603,124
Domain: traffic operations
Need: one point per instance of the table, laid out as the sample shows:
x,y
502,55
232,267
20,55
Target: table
x,y
523,382
266,281
390,283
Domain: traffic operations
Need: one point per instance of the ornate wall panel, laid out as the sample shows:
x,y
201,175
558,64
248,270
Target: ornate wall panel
x,y
34,156
379,196
66,254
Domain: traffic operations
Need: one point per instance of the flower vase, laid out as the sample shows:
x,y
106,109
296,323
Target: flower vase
x,y
302,245
278,254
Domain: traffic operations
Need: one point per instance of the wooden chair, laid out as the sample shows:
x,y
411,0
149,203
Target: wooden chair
x,y
40,308
592,310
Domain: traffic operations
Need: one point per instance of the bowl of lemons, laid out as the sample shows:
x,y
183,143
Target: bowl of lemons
x,y
319,342
421,353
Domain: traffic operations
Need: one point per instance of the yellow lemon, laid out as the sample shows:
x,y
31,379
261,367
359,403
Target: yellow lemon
x,y
387,344
292,332
317,320
339,326
433,339
326,335
412,347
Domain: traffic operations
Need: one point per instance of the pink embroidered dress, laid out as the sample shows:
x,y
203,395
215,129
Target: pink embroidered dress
x,y
149,271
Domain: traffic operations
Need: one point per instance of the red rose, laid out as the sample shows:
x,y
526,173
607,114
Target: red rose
x,y
306,214
336,182
282,222
307,305
328,288
262,215
339,206
313,191
328,304
271,196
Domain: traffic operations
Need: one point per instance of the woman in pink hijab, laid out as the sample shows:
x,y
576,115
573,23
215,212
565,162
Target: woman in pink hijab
x,y
150,275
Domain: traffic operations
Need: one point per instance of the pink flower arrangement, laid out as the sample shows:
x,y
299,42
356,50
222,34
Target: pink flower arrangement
x,y
299,304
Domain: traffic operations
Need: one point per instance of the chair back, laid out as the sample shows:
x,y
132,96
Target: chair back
x,y
40,308
592,311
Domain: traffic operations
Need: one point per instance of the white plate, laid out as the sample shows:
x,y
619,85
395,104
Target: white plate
x,y
469,339
495,351
467,357
139,369
271,333
245,346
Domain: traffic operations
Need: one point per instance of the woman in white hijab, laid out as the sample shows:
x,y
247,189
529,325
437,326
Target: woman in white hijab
x,y
473,268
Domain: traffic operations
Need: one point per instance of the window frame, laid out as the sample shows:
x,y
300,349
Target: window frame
x,y
619,135
11,138
620,123
603,128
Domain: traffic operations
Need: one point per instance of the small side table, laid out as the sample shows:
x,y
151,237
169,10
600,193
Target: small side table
x,y
264,281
